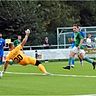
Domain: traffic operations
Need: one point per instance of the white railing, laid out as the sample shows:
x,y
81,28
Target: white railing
x,y
40,47
43,47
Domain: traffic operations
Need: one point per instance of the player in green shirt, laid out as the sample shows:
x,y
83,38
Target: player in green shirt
x,y
78,48
17,41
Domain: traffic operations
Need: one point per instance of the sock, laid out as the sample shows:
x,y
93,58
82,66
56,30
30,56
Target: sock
x,y
42,68
88,60
70,60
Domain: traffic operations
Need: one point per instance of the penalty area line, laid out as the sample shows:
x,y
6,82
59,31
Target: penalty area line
x,y
60,75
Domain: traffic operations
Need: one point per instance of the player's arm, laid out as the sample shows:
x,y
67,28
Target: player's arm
x,y
81,41
25,38
72,38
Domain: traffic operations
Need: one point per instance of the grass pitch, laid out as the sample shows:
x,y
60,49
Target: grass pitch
x,y
28,80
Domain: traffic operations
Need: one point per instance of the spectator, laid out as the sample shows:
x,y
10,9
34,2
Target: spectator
x,y
17,41
46,46
2,44
46,43
89,41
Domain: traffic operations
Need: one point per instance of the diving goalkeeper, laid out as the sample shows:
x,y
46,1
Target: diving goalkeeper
x,y
17,56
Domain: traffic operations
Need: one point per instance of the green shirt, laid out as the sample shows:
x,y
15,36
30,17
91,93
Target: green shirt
x,y
77,38
16,42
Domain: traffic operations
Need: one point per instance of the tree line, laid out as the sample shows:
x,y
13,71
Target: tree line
x,y
43,17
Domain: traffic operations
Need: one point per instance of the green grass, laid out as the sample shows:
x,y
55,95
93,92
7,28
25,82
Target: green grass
x,y
21,84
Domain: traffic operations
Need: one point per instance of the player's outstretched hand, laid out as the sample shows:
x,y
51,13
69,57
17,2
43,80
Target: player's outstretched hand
x,y
27,32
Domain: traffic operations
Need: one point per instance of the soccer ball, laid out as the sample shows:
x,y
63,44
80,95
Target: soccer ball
x,y
1,74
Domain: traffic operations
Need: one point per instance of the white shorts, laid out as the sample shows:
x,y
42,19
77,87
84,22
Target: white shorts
x,y
78,51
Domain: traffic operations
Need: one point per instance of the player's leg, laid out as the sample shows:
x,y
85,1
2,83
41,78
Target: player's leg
x,y
37,63
0,60
91,61
72,65
40,66
81,55
80,58
71,57
1,57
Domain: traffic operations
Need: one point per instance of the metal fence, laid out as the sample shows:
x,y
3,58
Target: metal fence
x,y
63,33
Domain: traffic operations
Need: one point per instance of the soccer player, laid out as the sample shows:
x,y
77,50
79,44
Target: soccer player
x,y
78,49
17,41
19,57
73,45
2,44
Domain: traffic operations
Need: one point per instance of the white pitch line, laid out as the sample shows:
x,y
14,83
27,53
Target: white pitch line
x,y
24,73
61,75
85,95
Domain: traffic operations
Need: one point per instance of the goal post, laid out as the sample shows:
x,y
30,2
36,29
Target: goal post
x,y
64,33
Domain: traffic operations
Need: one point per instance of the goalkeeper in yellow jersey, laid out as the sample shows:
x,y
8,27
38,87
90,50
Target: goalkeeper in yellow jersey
x,y
17,56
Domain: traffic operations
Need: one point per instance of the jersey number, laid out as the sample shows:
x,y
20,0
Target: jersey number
x,y
18,58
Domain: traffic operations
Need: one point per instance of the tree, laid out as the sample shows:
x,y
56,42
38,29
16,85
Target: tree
x,y
43,17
